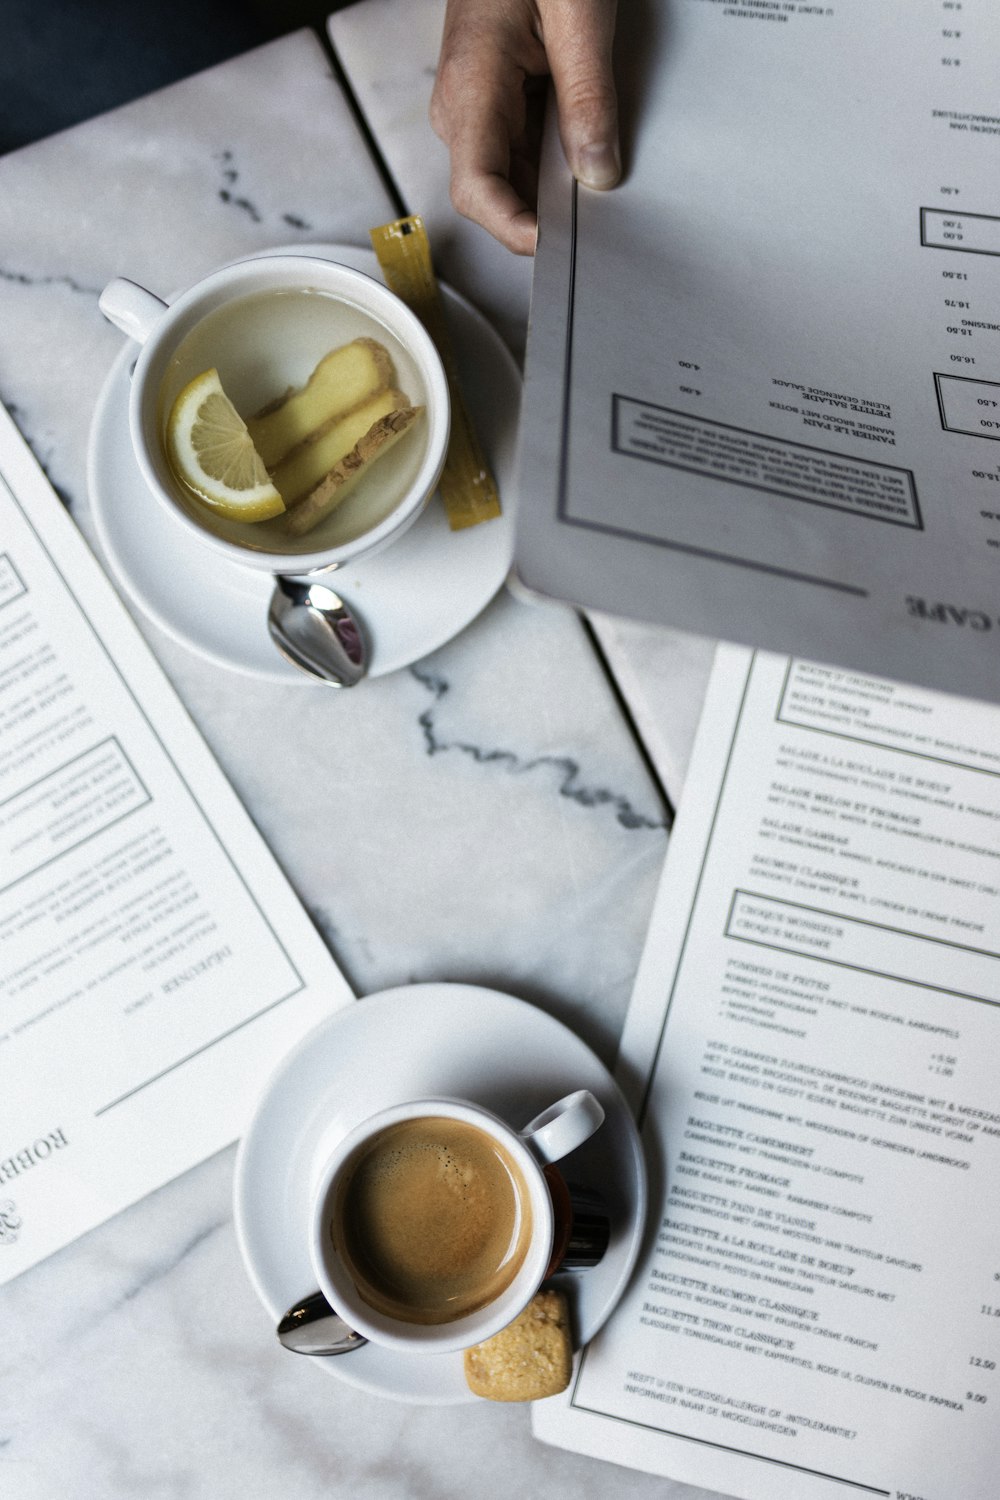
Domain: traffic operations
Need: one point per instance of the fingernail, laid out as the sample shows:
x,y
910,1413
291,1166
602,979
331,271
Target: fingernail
x,y
599,166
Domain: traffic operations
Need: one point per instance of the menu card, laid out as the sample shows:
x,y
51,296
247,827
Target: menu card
x,y
811,1051
762,388
154,961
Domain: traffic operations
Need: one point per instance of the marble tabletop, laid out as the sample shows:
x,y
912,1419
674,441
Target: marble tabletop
x,y
487,815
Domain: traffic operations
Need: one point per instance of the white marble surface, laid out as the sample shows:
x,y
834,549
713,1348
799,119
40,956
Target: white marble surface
x,y
484,816
389,49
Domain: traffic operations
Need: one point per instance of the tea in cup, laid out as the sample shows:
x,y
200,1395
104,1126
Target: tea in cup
x,y
262,327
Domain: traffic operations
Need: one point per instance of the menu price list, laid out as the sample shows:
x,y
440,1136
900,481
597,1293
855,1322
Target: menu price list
x,y
814,1021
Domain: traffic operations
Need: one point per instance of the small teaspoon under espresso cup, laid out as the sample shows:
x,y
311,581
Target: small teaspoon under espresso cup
x,y
312,1326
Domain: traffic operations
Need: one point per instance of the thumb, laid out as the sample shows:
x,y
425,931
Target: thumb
x,y
578,38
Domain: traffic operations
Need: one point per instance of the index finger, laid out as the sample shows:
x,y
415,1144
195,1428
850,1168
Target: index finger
x,y
478,109
481,188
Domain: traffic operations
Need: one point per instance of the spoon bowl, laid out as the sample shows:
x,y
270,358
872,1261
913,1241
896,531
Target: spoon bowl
x,y
316,631
312,1327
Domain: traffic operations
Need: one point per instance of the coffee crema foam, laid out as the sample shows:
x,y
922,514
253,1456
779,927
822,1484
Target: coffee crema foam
x,y
433,1220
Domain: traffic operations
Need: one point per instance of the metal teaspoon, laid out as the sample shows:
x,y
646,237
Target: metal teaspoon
x,y
312,1327
313,629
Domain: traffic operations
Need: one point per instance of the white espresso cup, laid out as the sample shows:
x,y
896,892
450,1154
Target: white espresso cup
x,y
265,323
432,1221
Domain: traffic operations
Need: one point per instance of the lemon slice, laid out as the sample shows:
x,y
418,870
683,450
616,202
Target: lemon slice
x,y
211,451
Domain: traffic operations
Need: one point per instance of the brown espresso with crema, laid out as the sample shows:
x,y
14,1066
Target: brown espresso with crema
x,y
432,1221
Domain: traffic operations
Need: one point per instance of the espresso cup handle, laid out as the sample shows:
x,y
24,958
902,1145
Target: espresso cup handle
x,y
562,1127
131,308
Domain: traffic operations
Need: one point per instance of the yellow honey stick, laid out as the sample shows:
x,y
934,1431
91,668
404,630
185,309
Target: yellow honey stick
x,y
467,487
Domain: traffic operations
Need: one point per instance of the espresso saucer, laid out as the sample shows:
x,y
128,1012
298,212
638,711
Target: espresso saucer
x,y
426,1040
411,598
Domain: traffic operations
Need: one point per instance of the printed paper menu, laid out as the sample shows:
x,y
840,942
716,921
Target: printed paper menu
x,y
814,1031
763,375
154,962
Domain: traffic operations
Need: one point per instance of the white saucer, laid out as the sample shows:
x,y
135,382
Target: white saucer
x,y
419,1041
411,598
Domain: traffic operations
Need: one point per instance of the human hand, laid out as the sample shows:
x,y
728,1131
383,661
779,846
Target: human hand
x,y
485,106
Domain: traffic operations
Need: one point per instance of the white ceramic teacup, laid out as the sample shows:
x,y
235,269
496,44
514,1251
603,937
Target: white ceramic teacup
x,y
342,1215
265,323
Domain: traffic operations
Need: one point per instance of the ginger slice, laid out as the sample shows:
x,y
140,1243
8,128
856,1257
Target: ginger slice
x,y
343,477
342,379
308,464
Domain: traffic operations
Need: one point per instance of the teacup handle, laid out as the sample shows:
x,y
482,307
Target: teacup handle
x,y
562,1127
131,308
